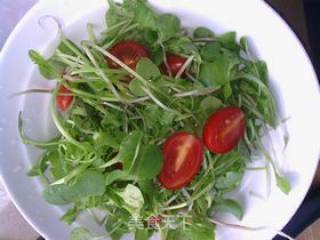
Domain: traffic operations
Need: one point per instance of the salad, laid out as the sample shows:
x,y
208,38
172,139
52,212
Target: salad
x,y
156,122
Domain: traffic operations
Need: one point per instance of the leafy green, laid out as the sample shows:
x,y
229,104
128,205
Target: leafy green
x,y
80,234
48,68
229,206
90,183
217,73
202,32
133,199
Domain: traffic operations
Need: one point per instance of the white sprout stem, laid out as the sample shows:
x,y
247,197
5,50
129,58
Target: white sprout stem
x,y
165,59
110,163
247,228
109,29
101,73
178,206
197,92
59,126
184,67
71,58
113,106
34,90
156,101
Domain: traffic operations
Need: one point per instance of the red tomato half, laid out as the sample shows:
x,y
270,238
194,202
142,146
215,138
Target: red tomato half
x,y
64,101
175,63
224,129
129,52
183,155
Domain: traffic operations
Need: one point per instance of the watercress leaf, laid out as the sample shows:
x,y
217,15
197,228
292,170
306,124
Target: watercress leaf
x,y
147,69
148,163
169,26
210,104
80,233
202,32
217,73
59,194
244,45
105,139
211,51
90,183
229,206
116,14
48,68
135,87
39,168
71,215
142,13
229,41
117,175
141,234
227,91
57,165
178,234
283,184
132,198
129,149
200,229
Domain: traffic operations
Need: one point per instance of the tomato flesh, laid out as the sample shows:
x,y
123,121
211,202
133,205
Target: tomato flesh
x,y
63,100
224,129
183,155
175,63
129,52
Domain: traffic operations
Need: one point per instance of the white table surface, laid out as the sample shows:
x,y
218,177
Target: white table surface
x,y
12,224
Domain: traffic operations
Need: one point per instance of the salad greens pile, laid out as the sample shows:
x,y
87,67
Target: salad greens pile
x,y
114,122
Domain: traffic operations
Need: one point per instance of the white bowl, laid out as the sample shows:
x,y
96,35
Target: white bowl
x,y
292,76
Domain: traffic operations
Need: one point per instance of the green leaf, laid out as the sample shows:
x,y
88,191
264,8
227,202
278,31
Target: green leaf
x,y
105,139
135,87
217,73
142,13
141,234
129,149
148,163
227,91
169,26
90,183
39,168
49,69
132,198
117,175
229,41
229,206
60,194
202,32
116,14
147,69
178,234
71,215
200,229
210,104
211,51
80,233
283,184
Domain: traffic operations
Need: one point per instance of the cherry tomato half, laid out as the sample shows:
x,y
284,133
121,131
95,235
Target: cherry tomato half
x,y
129,52
183,155
64,101
175,63
224,129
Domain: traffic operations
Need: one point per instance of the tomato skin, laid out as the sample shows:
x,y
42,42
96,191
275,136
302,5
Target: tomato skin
x,y
129,52
64,101
183,155
175,62
224,129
